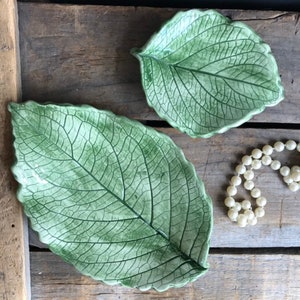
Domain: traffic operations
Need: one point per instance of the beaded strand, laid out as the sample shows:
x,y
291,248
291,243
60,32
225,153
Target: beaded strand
x,y
242,212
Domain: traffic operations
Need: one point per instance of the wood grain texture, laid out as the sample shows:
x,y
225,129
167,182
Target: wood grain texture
x,y
14,279
81,54
231,276
215,160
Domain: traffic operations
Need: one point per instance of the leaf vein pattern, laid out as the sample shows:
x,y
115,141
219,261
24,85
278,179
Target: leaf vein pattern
x,y
66,221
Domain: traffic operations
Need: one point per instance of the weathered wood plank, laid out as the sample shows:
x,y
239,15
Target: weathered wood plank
x,y
231,276
81,54
215,160
14,268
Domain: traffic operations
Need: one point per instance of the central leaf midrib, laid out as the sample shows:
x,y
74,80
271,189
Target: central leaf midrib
x,y
184,256
175,66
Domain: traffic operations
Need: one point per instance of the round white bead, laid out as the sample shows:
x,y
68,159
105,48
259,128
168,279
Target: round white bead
x,y
240,169
294,186
237,206
298,147
291,145
246,204
261,201
259,212
275,165
249,213
266,160
288,179
267,150
285,171
252,221
256,153
249,175
255,193
232,214
247,160
229,202
295,169
256,164
231,190
248,185
236,180
279,146
295,176
242,220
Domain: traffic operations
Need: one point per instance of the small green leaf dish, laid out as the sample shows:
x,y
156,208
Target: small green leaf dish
x,y
205,74
116,199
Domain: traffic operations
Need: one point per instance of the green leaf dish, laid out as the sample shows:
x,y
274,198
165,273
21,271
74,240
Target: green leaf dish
x,y
116,199
205,74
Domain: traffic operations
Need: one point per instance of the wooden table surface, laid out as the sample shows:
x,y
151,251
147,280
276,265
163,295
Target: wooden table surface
x,y
81,54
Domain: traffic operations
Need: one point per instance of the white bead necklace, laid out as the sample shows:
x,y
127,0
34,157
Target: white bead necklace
x,y
242,212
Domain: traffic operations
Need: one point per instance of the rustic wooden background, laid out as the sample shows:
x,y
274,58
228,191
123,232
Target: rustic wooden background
x,y
81,54
14,255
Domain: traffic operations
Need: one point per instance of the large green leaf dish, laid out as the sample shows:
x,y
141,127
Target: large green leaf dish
x,y
114,198
205,74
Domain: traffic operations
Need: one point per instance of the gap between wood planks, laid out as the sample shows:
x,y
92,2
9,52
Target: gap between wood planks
x,y
256,251
258,125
